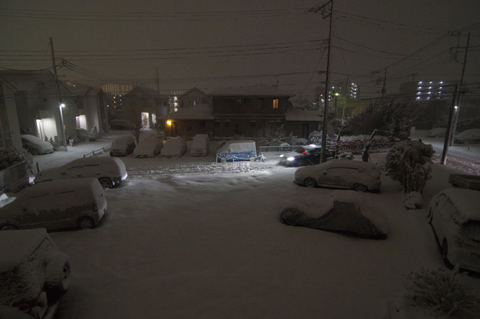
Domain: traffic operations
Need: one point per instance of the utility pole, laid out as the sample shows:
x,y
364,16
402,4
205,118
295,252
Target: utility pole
x,y
158,83
461,90
63,141
384,89
326,13
448,134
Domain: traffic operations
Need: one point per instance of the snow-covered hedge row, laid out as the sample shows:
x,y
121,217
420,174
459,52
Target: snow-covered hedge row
x,y
12,156
356,144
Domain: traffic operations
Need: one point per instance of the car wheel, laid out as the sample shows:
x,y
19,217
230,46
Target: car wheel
x,y
57,276
86,139
223,159
444,251
105,182
360,187
34,151
86,223
8,227
310,182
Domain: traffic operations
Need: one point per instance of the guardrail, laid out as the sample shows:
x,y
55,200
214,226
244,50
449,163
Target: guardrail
x,y
97,152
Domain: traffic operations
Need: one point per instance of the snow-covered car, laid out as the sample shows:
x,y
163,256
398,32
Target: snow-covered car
x,y
148,147
305,155
34,274
468,136
342,211
174,147
110,171
238,150
123,145
455,217
59,204
348,174
35,145
121,125
200,145
437,132
85,136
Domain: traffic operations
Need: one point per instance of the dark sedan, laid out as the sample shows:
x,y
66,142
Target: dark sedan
x,y
305,155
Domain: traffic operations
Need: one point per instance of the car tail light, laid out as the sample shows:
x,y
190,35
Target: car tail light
x,y
304,153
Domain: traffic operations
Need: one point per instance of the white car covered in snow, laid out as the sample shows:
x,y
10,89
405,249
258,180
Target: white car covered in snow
x,y
148,147
348,174
33,274
123,145
174,147
471,136
455,217
65,203
35,145
110,171
200,145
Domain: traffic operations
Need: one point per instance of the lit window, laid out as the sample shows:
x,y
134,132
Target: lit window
x,y
275,103
419,87
420,82
418,98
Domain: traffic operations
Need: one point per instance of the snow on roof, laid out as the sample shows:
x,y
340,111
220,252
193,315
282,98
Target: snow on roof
x,y
252,91
197,112
17,245
295,114
467,202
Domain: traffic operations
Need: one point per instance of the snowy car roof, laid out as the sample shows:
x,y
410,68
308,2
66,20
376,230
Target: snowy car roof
x,y
59,186
467,202
343,163
17,245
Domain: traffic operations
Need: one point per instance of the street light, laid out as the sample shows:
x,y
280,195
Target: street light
x,y
63,143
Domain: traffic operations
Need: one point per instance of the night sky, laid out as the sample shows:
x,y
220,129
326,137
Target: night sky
x,y
213,44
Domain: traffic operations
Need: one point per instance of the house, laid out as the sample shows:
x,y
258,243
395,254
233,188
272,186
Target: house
x,y
193,97
143,104
43,105
242,112
9,126
92,107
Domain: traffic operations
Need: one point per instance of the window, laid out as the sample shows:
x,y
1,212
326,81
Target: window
x,y
216,124
227,123
260,104
253,124
239,101
275,103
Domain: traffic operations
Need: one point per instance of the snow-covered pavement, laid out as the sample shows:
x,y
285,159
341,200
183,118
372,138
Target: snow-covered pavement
x,y
189,238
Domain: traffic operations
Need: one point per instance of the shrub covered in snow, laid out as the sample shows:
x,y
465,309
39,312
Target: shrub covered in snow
x,y
441,293
271,135
409,163
356,144
12,156
316,137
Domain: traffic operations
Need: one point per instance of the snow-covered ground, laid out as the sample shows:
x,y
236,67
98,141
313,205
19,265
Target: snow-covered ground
x,y
190,238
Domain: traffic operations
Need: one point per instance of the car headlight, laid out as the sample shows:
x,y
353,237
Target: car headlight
x,y
281,155
291,158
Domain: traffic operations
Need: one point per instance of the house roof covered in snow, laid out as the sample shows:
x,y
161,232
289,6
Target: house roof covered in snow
x,y
197,112
251,91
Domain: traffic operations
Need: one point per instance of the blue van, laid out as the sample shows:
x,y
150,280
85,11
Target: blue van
x,y
231,151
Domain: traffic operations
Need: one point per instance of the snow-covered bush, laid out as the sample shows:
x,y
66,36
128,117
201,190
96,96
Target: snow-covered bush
x,y
346,155
316,137
409,163
294,140
356,144
271,135
12,156
442,293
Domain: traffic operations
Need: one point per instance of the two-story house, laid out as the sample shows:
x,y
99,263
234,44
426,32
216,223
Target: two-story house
x,y
142,104
242,112
91,104
42,104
